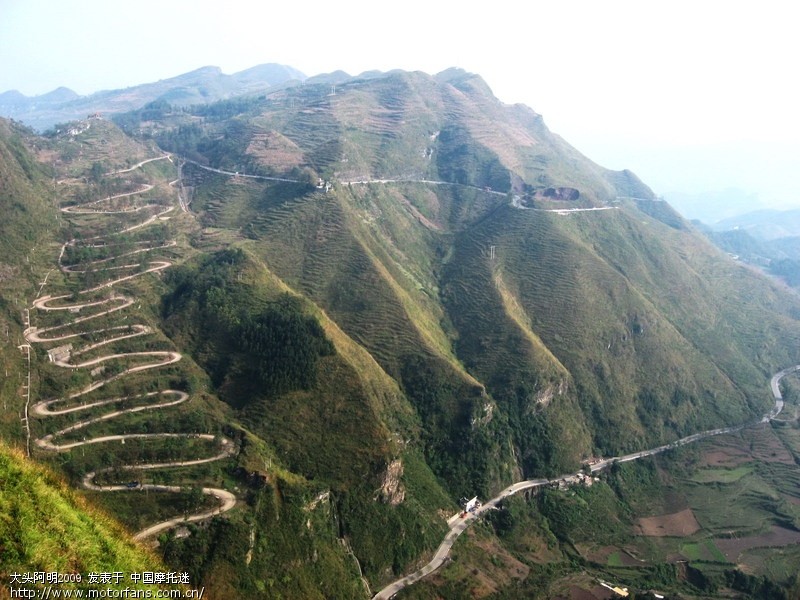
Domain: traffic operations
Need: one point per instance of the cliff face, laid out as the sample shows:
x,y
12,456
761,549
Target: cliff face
x,y
392,490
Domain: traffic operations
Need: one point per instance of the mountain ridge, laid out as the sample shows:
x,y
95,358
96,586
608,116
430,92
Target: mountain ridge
x,y
397,293
205,84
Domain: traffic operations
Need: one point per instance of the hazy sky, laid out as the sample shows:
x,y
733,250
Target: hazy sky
x,y
669,89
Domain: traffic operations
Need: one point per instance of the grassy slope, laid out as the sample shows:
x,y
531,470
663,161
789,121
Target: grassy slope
x,y
45,526
593,318
26,229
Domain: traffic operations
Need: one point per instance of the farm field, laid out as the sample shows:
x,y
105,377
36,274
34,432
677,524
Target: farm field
x,y
706,521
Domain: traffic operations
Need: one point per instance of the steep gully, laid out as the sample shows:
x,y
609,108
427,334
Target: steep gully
x,y
77,329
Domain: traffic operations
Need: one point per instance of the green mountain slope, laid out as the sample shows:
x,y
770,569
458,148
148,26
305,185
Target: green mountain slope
x,y
393,294
28,223
326,413
307,499
534,307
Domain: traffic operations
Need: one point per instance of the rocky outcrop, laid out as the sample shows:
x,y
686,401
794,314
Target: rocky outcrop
x,y
559,193
545,396
392,490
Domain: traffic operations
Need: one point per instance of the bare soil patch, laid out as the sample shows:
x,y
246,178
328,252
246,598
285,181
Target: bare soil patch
x,y
678,524
765,446
728,457
791,499
775,537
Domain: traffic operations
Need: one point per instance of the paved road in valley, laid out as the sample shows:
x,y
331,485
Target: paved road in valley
x,y
458,525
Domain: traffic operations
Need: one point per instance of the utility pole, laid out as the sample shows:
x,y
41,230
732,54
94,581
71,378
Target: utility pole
x,y
26,388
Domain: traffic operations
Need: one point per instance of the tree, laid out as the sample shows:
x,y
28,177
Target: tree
x,y
193,499
96,172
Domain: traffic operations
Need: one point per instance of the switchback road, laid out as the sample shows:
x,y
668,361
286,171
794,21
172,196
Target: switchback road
x,y
72,329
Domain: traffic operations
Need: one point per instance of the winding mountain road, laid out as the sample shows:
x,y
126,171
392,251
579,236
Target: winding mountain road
x,y
65,357
237,174
78,210
140,164
458,525
516,201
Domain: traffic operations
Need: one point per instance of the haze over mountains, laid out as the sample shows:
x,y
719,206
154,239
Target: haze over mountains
x,y
390,291
203,85
717,181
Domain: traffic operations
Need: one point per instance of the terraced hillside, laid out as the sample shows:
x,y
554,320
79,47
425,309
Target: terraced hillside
x,y
356,306
535,308
132,420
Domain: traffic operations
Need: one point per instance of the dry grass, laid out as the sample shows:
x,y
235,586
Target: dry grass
x,y
275,150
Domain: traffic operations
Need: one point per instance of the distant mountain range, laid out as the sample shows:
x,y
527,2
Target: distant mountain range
x,y
767,224
201,86
710,207
769,239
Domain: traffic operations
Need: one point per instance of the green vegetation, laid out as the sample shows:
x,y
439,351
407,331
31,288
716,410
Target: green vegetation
x,y
45,526
722,475
269,350
585,515
269,356
461,160
421,327
27,230
282,547
703,551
